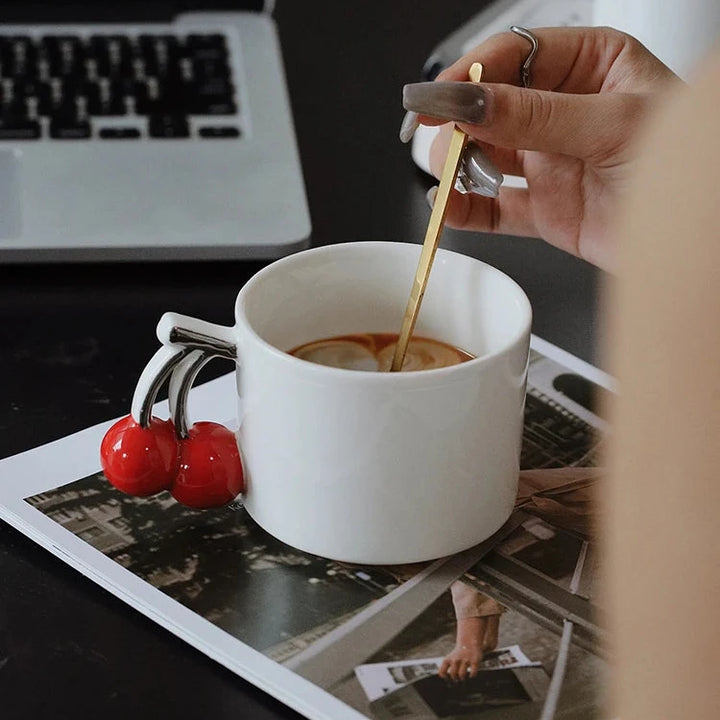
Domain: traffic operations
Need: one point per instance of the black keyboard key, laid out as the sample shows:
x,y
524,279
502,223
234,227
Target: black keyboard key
x,y
101,43
207,47
113,55
28,87
47,99
149,101
69,127
115,68
197,41
213,97
28,131
96,46
219,132
168,126
18,128
119,133
206,69
58,96
159,44
15,110
156,97
59,106
118,45
45,103
6,52
212,106
215,87
61,44
146,97
18,55
65,55
173,90
106,98
17,91
71,87
160,53
15,123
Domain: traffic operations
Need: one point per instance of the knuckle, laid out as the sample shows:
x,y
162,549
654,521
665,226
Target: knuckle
x,y
632,46
535,110
612,37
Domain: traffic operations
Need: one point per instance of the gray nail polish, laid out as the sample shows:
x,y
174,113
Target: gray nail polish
x,y
461,101
409,125
477,174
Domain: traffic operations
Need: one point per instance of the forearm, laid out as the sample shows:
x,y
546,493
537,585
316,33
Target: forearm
x,y
664,501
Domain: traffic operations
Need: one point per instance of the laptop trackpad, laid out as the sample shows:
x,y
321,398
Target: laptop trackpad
x,y
10,215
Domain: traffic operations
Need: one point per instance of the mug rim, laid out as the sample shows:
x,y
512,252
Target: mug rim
x,y
375,375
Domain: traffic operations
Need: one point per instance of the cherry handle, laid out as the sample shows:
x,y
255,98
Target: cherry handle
x,y
181,337
181,381
154,374
176,329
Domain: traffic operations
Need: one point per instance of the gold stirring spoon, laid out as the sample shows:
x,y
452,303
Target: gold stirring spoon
x,y
432,236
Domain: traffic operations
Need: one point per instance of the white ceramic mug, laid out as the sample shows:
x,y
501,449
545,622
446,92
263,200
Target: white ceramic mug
x,y
371,467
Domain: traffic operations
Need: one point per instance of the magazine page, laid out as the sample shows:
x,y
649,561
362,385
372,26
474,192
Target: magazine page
x,y
508,629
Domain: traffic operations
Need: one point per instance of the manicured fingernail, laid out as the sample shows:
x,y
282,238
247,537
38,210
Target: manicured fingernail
x,y
462,101
409,125
477,174
431,194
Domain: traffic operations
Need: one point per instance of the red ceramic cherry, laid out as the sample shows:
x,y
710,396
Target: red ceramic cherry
x,y
210,471
140,461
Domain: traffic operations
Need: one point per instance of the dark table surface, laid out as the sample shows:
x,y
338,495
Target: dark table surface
x,y
73,339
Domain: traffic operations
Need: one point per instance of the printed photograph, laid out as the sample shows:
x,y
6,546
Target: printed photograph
x,y
481,640
220,564
488,646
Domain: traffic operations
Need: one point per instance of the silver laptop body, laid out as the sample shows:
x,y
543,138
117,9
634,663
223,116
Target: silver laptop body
x,y
224,181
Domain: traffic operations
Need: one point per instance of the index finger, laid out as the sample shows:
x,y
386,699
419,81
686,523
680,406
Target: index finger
x,y
575,60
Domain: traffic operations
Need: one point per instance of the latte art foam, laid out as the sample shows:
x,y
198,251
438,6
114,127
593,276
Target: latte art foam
x,y
374,352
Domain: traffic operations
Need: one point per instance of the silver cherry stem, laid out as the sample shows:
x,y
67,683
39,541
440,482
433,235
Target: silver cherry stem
x,y
154,374
181,381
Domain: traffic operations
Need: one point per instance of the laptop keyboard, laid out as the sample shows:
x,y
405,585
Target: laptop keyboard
x,y
116,87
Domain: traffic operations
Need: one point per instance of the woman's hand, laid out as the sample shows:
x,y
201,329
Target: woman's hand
x,y
572,135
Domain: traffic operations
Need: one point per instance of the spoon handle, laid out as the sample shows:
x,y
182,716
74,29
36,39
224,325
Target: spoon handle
x,y
432,236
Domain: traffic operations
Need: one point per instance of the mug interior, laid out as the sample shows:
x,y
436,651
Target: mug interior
x,y
363,287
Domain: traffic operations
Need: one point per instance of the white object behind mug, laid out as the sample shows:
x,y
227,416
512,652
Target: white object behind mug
x,y
679,32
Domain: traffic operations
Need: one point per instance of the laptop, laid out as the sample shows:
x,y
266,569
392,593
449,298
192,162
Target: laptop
x,y
168,136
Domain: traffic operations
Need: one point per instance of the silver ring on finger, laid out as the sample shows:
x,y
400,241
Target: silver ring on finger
x,y
526,67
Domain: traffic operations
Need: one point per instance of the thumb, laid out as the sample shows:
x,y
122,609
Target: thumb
x,y
586,126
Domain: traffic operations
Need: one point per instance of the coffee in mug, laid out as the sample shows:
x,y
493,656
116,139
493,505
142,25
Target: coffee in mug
x,y
373,352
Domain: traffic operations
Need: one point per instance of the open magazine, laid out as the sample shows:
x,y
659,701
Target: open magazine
x,y
338,641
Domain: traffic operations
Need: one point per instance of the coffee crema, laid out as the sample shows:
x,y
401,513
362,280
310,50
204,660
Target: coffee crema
x,y
374,352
